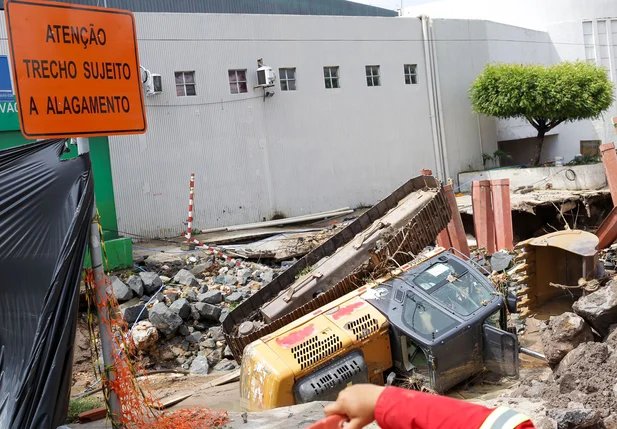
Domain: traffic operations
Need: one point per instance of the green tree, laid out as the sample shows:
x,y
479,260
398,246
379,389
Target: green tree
x,y
546,96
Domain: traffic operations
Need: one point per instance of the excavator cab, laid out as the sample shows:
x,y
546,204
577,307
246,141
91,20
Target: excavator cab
x,y
446,321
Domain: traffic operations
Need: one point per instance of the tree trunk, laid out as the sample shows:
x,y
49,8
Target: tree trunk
x,y
538,153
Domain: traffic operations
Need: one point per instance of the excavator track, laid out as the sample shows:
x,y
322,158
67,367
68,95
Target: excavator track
x,y
400,248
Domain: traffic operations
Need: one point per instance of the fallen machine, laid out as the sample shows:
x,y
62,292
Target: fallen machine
x,y
435,322
387,236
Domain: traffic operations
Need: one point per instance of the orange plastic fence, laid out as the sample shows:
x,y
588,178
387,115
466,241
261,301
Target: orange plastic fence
x,y
140,408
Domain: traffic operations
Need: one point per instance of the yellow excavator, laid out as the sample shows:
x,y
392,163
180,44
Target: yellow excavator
x,y
436,323
370,304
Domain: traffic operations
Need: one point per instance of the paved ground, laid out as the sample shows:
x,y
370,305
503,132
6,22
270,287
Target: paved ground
x,y
296,417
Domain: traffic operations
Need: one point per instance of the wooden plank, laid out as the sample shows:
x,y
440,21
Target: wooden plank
x,y
92,415
227,378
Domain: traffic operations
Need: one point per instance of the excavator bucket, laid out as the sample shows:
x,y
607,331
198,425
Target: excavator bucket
x,y
553,265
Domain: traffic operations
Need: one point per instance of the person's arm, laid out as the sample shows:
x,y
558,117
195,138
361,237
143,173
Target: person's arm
x,y
395,408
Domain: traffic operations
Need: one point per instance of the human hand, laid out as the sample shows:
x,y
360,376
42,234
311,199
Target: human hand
x,y
357,403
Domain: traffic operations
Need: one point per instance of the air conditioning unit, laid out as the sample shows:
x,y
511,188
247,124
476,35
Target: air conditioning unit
x,y
265,77
152,82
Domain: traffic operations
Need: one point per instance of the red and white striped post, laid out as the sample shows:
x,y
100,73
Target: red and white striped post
x,y
189,224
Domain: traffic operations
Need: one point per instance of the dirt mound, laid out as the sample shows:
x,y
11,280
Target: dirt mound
x,y
587,375
585,381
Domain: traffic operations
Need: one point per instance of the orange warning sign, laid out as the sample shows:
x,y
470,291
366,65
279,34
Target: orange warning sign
x,y
76,69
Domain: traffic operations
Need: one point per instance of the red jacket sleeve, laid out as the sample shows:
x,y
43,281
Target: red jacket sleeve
x,y
407,409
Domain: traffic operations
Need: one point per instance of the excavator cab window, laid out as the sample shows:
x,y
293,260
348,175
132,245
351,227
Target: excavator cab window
x,y
425,319
452,285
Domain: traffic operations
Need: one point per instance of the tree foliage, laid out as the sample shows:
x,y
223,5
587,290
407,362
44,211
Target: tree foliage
x,y
546,96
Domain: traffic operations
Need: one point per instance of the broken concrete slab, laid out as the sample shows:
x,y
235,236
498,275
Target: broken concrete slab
x,y
529,201
563,334
599,308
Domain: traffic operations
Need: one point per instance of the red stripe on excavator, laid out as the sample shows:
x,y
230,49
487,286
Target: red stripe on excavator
x,y
296,337
347,310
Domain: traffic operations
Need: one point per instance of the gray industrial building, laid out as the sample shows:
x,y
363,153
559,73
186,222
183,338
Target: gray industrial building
x,y
363,100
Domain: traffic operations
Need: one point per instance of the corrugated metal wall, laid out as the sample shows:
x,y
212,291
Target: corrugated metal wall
x,y
299,152
286,7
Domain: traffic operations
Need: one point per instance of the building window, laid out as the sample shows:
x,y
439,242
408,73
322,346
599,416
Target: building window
x,y
237,81
288,79
185,83
411,74
331,76
372,76
590,147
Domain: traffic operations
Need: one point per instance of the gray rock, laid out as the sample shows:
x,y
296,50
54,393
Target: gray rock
x,y
203,289
191,295
209,343
200,326
227,353
235,297
599,308
182,308
164,319
136,285
194,338
230,280
243,274
130,314
211,297
501,261
215,356
574,418
200,365
183,330
224,314
208,311
216,333
563,334
151,282
267,276
200,268
226,365
186,278
122,291
220,279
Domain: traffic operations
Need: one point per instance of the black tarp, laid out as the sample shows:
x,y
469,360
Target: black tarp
x,y
45,212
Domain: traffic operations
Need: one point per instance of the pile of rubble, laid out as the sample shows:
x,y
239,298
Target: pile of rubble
x,y
581,348
175,305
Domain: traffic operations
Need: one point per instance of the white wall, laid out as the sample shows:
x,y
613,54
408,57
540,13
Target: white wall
x,y
534,14
299,152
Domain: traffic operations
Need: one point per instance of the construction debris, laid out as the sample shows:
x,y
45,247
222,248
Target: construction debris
x,y
528,202
563,334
